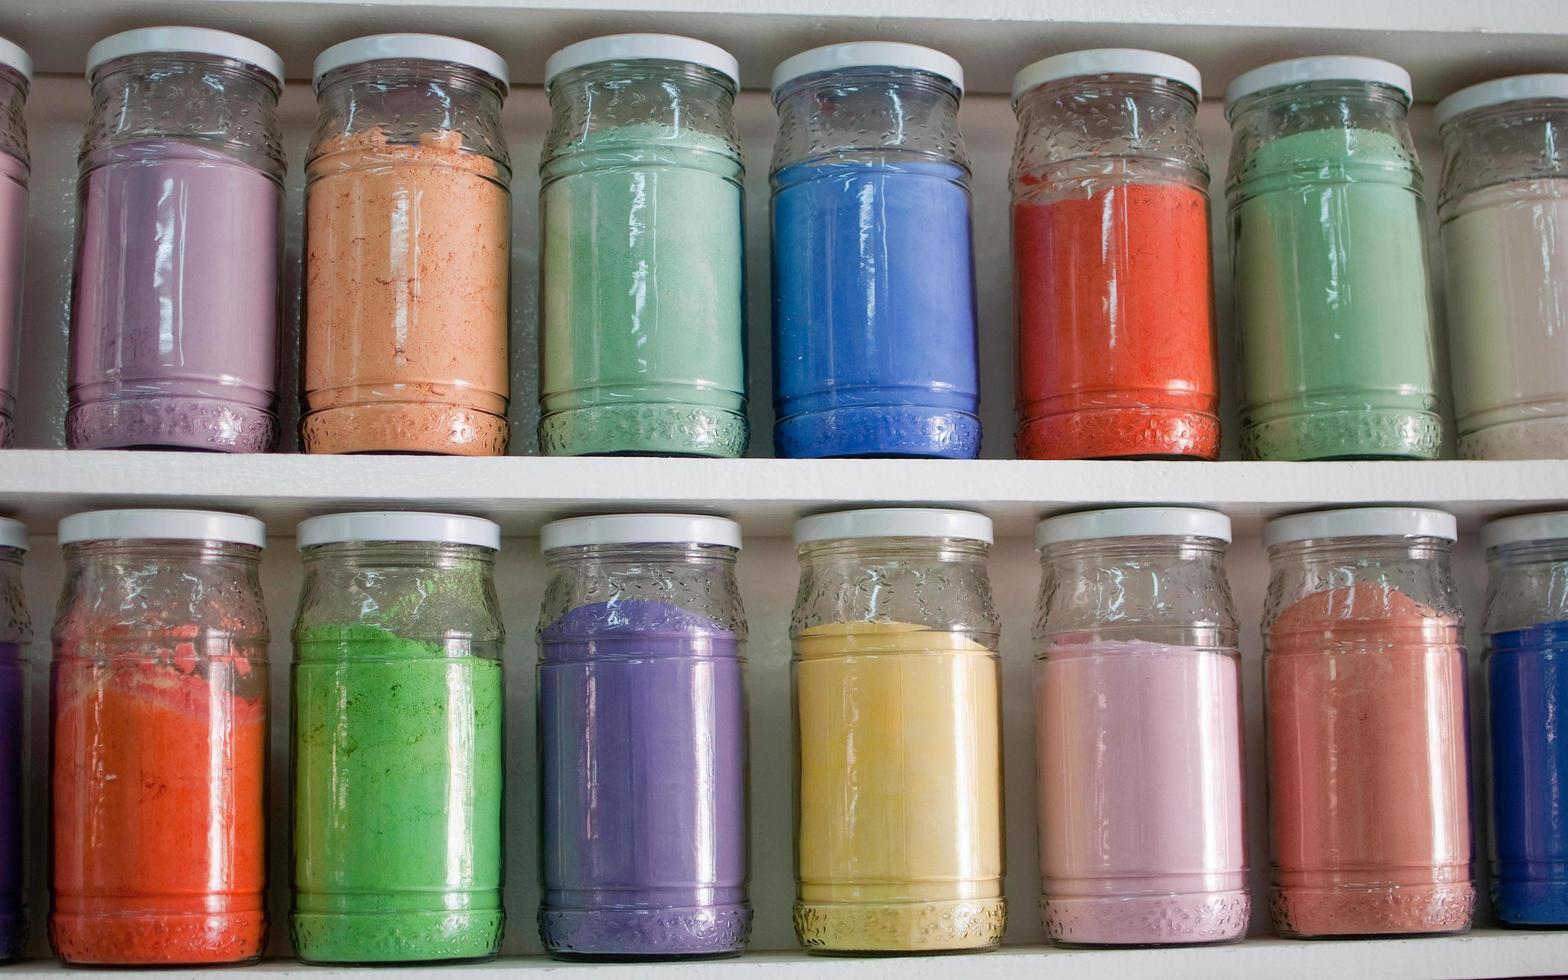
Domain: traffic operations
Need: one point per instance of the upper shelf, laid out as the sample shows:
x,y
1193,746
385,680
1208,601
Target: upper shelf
x,y
523,492
1444,43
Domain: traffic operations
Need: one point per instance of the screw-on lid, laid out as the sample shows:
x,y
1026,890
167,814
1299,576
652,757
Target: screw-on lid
x,y
13,534
163,525
642,47
1108,61
868,54
1362,522
1526,527
185,40
1329,68
1133,522
398,525
1500,91
574,532
12,56
417,47
894,522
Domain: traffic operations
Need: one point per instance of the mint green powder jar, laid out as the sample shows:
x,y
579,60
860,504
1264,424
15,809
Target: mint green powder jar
x,y
641,285
1328,252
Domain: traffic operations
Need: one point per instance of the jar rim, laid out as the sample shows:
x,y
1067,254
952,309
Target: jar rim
x,y
14,57
185,40
1107,61
1133,522
634,529
894,522
1500,92
13,534
162,525
436,48
1328,68
1362,522
868,54
398,526
1521,528
673,48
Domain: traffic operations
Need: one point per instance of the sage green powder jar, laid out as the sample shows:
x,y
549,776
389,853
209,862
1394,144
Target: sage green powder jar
x,y
642,335
1329,263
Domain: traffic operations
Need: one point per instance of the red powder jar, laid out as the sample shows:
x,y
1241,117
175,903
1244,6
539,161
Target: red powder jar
x,y
159,723
1114,287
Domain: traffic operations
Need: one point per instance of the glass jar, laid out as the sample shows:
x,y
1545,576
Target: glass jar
x,y
898,777
1328,256
641,189
1526,629
1114,288
874,327
175,298
397,740
1366,711
159,717
408,240
16,76
16,631
1138,728
1504,217
642,739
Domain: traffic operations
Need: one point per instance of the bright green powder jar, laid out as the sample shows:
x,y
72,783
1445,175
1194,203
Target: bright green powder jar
x,y
1328,251
641,283
397,741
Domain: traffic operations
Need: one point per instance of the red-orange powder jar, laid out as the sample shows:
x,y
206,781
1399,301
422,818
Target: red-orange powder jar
x,y
1114,290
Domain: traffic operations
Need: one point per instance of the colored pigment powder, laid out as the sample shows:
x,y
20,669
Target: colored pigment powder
x,y
13,843
1142,831
1527,675
1507,251
1333,299
13,242
641,296
642,753
1368,766
397,799
1116,352
160,768
407,269
899,844
874,324
174,305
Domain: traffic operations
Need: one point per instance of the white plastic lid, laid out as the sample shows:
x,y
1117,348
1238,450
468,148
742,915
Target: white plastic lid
x,y
868,54
398,525
1133,522
1499,91
574,532
13,534
172,525
1362,522
1330,68
1108,61
894,522
185,40
12,56
642,47
1526,527
419,47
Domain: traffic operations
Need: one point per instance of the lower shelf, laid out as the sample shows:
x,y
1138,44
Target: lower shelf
x,y
1482,953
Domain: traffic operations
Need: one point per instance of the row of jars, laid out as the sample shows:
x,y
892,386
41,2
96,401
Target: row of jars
x,y
159,716
176,297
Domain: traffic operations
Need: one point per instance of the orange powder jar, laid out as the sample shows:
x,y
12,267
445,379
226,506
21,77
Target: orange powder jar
x,y
159,722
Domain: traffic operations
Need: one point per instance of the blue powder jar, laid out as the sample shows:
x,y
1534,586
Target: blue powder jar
x,y
1526,628
874,332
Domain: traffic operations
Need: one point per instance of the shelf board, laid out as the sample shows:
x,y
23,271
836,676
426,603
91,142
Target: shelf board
x,y
1483,953
522,492
1445,43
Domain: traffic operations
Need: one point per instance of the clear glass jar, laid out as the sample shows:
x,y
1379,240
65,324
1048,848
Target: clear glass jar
x,y
1328,255
642,739
874,325
1366,710
408,243
175,298
397,726
1504,217
1526,629
16,631
1113,280
1138,728
159,755
642,334
897,727
16,75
